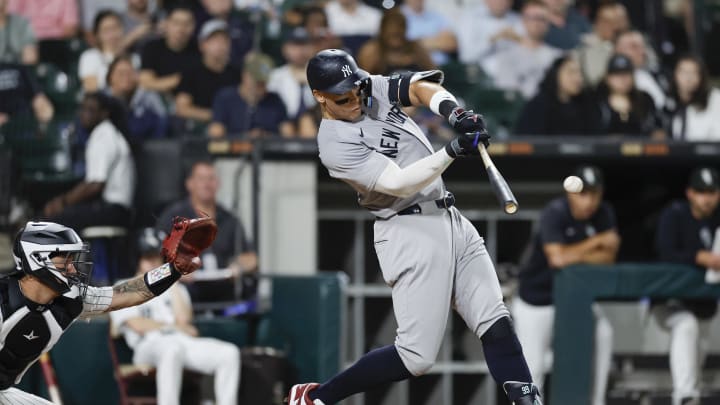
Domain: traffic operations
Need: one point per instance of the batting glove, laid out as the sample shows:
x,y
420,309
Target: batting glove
x,y
466,121
467,144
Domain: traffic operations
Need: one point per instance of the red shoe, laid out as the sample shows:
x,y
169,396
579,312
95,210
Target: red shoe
x,y
299,395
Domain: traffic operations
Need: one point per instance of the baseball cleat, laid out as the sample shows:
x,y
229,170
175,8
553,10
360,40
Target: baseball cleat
x,y
522,393
299,395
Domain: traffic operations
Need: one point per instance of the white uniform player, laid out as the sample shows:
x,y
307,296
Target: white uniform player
x,y
431,256
47,292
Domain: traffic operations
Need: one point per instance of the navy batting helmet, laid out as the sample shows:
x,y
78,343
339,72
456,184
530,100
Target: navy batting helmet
x,y
334,71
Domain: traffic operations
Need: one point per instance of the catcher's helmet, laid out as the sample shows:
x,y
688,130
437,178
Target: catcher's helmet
x,y
39,242
334,71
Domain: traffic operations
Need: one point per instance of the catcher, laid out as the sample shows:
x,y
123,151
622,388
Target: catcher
x,y
48,290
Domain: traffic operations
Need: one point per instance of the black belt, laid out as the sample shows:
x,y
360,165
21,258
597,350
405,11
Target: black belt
x,y
445,203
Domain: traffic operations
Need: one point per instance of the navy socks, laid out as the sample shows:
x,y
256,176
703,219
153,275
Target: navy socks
x,y
503,353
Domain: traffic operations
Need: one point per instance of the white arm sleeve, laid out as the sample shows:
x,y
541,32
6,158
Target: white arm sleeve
x,y
405,182
97,301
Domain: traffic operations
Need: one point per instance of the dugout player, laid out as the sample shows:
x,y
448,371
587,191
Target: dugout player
x,y
161,334
430,255
685,235
48,291
575,228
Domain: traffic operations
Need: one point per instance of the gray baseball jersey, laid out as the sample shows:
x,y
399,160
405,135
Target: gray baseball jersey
x,y
434,260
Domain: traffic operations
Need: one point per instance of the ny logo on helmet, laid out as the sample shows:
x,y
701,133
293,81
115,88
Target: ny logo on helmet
x,y
346,70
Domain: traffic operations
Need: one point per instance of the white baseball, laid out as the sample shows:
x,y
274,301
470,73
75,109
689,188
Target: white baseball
x,y
573,184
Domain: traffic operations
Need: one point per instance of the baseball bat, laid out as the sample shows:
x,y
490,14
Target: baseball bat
x,y
49,374
502,191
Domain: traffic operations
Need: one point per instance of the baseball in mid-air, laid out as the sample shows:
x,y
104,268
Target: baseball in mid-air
x,y
573,184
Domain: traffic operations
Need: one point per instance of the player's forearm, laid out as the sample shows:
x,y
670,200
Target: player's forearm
x,y
83,191
601,255
562,255
130,293
409,180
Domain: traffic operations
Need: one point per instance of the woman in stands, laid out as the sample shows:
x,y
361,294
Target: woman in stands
x,y
693,106
625,109
562,105
94,62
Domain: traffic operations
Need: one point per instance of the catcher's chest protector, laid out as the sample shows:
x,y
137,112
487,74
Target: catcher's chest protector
x,y
29,329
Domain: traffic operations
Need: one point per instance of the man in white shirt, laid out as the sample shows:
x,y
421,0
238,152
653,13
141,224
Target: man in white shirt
x,y
522,65
486,29
161,334
105,196
352,17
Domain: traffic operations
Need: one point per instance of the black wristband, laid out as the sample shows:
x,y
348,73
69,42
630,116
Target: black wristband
x,y
446,107
161,278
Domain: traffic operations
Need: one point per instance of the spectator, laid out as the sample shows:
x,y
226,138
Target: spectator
x,y
685,235
315,22
431,29
231,248
106,194
200,84
625,109
17,37
391,51
164,59
567,25
249,109
577,228
693,105
596,47
352,17
138,24
21,97
239,29
50,19
94,62
146,112
632,44
290,81
504,68
162,335
562,106
486,29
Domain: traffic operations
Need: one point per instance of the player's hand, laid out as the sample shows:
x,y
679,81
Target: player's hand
x,y
187,239
466,121
467,144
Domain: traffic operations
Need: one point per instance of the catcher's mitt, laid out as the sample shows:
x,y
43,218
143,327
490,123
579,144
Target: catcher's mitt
x,y
188,238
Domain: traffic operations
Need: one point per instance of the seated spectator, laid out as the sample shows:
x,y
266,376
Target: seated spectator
x,y
625,109
315,22
240,30
146,112
230,249
632,44
249,109
94,62
18,39
289,81
352,18
596,47
391,51
562,106
105,196
431,29
567,25
138,24
21,97
162,335
49,19
693,106
164,59
685,234
200,83
577,228
522,65
485,30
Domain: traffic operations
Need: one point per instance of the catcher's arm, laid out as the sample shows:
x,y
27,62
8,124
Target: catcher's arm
x,y
181,248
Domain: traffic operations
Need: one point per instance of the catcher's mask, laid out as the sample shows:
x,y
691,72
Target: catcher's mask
x,y
55,255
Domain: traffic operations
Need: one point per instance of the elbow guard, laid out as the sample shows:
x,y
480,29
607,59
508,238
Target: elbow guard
x,y
399,84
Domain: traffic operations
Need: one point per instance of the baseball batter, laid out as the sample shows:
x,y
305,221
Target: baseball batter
x,y
431,256
49,290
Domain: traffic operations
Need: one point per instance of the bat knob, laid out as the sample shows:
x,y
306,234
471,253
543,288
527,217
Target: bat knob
x,y
511,207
